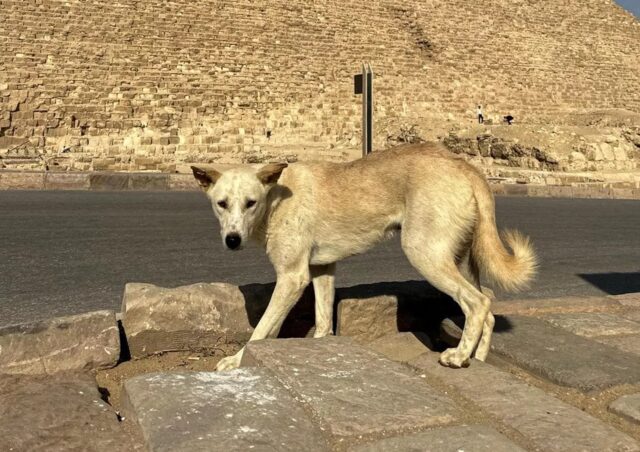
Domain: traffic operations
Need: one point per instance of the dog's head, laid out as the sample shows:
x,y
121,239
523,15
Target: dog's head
x,y
239,198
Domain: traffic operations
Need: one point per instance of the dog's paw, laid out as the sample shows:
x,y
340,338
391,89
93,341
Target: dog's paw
x,y
230,362
454,359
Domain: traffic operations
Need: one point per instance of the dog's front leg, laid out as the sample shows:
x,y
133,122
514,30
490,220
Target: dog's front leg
x,y
289,288
323,287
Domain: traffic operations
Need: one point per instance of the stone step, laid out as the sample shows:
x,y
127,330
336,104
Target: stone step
x,y
59,413
543,421
339,381
238,410
562,357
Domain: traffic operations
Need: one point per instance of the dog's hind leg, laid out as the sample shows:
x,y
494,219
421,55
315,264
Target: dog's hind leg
x,y
482,350
323,277
437,265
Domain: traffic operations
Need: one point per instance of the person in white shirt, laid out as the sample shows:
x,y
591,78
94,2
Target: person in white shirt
x,y
480,117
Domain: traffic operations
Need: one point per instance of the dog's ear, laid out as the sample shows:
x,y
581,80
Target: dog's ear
x,y
205,178
271,173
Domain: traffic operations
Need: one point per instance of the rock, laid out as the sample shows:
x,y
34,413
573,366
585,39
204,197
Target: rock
x,y
620,154
402,347
607,151
627,406
544,421
577,157
60,412
237,410
562,357
352,391
369,312
85,341
198,316
590,324
475,438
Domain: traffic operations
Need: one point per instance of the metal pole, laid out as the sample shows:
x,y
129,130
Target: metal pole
x,y
365,115
369,99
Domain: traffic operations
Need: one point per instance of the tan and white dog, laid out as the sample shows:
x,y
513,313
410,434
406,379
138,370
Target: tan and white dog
x,y
308,216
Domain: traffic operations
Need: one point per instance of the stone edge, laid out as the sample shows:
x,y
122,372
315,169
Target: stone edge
x,y
121,181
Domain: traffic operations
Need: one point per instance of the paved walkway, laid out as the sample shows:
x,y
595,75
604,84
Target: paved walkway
x,y
564,375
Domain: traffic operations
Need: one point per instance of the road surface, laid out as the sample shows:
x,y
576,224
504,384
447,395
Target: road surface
x,y
70,252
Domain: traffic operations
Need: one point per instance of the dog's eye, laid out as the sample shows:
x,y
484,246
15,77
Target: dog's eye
x,y
250,203
222,204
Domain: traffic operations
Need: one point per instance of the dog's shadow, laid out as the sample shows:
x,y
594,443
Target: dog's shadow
x,y
421,307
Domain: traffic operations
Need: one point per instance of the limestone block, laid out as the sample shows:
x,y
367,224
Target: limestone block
x,y
61,412
85,342
203,315
21,180
562,357
238,410
402,347
353,392
592,324
627,406
546,422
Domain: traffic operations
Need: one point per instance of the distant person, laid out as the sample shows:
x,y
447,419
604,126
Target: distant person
x,y
509,119
480,116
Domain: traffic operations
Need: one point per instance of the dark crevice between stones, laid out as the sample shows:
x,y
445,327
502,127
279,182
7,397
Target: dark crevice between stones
x,y
125,354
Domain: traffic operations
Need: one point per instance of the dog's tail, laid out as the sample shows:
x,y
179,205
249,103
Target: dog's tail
x,y
510,271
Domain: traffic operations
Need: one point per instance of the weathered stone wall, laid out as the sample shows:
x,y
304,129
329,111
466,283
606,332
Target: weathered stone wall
x,y
155,85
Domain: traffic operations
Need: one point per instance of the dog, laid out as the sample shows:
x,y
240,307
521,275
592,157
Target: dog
x,y
308,216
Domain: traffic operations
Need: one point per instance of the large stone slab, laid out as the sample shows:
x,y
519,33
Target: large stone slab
x,y
352,391
475,438
563,357
536,307
238,410
63,412
546,422
85,341
592,324
627,406
203,315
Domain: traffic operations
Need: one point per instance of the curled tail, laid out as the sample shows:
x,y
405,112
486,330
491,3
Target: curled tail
x,y
510,271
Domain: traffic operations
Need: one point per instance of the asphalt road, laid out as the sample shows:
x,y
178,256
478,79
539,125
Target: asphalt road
x,y
70,252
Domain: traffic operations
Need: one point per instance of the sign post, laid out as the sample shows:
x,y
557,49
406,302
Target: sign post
x,y
363,84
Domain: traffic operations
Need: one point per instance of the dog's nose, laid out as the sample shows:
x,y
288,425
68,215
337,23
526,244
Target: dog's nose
x,y
233,241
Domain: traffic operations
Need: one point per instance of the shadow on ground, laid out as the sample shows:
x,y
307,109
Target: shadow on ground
x,y
421,307
614,283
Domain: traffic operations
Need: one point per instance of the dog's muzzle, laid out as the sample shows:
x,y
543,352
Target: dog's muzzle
x,y
233,241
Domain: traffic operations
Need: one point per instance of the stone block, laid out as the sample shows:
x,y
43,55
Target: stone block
x,y
21,180
554,305
627,406
109,181
238,410
631,300
562,357
516,189
59,413
352,391
545,422
156,319
474,438
591,324
184,182
66,181
149,182
402,347
368,312
85,342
